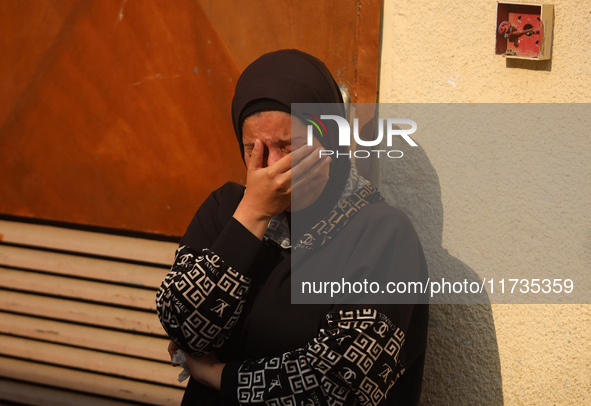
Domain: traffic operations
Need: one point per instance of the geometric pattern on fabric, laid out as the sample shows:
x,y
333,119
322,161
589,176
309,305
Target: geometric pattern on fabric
x,y
353,362
330,225
200,300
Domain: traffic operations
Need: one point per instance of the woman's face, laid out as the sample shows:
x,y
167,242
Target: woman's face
x,y
274,129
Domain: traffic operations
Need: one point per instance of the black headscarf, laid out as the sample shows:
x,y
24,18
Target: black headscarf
x,y
276,80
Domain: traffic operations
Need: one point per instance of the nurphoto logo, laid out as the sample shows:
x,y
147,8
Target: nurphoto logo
x,y
393,129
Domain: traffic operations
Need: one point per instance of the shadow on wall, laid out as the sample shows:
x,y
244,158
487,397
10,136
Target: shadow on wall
x,y
462,365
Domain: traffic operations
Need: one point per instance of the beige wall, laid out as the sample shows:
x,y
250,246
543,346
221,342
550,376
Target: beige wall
x,y
470,216
444,52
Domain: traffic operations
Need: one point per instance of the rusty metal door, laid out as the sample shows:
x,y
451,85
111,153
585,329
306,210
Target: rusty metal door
x,y
116,113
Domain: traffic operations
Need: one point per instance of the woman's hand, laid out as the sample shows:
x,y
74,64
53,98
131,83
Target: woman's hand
x,y
206,369
268,191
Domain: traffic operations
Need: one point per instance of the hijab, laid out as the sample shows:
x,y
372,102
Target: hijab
x,y
273,82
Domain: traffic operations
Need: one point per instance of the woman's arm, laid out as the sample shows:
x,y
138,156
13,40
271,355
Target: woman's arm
x,y
362,350
200,300
356,359
202,296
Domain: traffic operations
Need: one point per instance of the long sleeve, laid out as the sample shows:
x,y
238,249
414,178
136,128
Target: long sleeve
x,y
281,353
356,360
202,296
200,300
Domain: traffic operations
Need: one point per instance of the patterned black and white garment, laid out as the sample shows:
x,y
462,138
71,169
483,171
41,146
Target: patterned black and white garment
x,y
229,292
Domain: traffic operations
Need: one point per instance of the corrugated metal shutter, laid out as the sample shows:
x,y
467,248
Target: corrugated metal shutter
x,y
77,318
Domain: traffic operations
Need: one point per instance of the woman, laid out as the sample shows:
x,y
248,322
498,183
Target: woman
x,y
226,300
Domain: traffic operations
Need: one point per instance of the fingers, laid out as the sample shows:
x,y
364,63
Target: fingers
x,y
281,166
302,152
256,157
302,165
309,166
289,161
270,186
